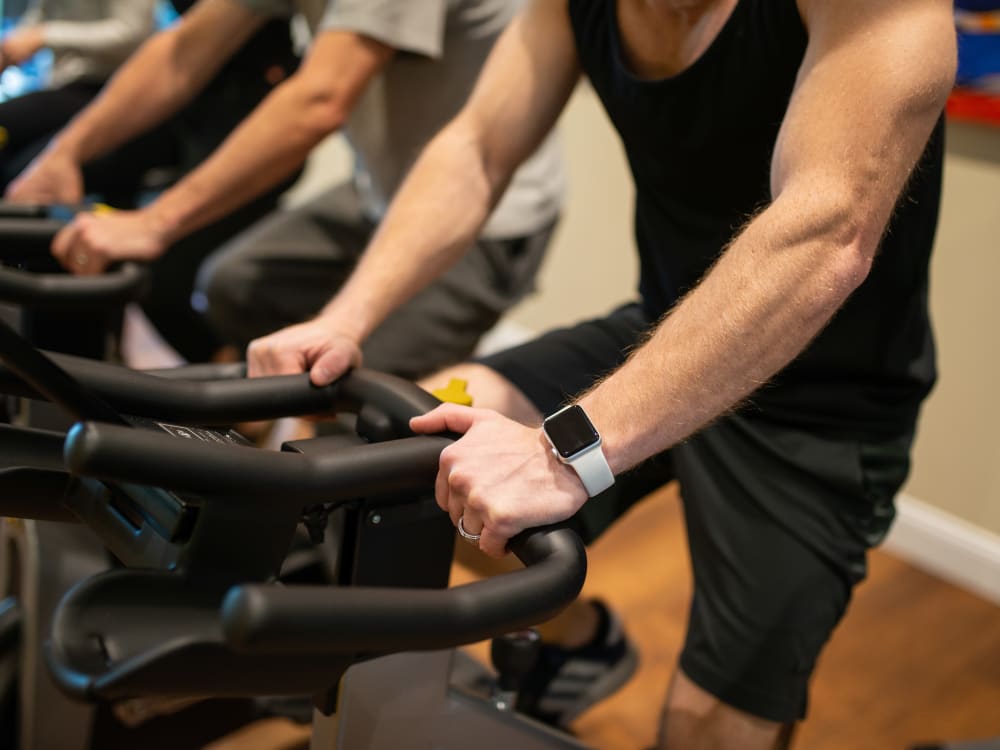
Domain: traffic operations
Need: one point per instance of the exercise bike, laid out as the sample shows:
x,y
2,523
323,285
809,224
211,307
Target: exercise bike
x,y
202,522
39,561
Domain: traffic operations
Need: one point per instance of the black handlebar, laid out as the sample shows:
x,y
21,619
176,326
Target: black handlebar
x,y
200,400
37,372
311,619
186,628
27,236
120,454
24,210
43,290
127,633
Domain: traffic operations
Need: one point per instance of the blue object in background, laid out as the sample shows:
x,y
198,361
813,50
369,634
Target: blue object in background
x,y
978,49
32,74
979,61
165,14
977,5
29,76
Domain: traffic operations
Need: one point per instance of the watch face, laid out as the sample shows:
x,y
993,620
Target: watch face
x,y
570,431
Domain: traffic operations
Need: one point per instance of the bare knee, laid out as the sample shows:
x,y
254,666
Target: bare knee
x,y
489,390
694,719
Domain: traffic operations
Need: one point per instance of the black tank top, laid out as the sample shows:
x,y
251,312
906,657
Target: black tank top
x,y
699,145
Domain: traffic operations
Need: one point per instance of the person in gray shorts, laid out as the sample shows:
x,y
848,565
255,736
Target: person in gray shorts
x,y
389,73
283,270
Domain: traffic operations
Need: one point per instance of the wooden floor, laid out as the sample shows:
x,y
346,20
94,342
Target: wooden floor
x,y
915,661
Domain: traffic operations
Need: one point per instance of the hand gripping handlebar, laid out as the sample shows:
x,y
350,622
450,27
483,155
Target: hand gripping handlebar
x,y
24,238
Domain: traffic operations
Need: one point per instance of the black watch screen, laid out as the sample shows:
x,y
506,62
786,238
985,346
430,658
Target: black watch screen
x,y
570,431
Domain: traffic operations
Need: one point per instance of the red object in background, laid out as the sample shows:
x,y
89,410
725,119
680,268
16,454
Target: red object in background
x,y
967,105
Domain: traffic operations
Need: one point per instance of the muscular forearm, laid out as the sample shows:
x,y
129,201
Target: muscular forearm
x,y
434,218
146,91
769,294
275,140
264,150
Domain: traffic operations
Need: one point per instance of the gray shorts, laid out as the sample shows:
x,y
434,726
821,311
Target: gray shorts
x,y
285,268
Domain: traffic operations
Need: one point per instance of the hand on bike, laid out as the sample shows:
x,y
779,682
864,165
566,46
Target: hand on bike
x,y
315,346
21,44
500,477
93,242
50,179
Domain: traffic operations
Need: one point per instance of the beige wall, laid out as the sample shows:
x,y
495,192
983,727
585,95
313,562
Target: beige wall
x,y
593,265
957,457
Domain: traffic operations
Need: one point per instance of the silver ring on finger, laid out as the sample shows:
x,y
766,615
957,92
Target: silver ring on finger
x,y
472,538
80,259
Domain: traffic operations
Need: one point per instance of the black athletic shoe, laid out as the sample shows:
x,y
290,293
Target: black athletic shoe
x,y
566,682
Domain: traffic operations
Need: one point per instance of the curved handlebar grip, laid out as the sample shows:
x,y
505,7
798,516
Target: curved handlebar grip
x,y
23,237
9,210
41,290
144,457
190,397
317,619
31,447
203,371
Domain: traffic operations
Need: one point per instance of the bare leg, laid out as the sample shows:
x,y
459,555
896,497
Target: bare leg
x,y
489,390
693,719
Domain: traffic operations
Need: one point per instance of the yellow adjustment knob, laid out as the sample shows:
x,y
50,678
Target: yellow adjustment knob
x,y
454,393
101,209
4,136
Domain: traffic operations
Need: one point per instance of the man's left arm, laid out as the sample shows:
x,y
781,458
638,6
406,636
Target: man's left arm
x,y
266,148
871,87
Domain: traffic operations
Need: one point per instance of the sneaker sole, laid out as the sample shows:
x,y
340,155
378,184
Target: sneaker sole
x,y
605,686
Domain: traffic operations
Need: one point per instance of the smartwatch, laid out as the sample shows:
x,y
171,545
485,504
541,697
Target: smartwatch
x,y
576,442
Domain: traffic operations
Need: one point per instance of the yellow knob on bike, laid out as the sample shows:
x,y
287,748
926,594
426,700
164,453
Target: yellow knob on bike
x,y
454,393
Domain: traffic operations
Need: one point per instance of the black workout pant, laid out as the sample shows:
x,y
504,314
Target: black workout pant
x,y
779,520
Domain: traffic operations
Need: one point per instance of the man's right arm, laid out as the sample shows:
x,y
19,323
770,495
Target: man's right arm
x,y
447,197
165,74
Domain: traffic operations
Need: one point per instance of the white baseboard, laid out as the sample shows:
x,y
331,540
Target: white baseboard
x,y
946,546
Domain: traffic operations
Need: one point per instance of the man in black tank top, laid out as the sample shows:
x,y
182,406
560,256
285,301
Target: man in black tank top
x,y
787,160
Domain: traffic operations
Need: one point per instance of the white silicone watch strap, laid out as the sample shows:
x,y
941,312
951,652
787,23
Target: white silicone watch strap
x,y
592,468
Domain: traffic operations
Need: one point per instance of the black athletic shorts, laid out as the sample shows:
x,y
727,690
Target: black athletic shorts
x,y
778,518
